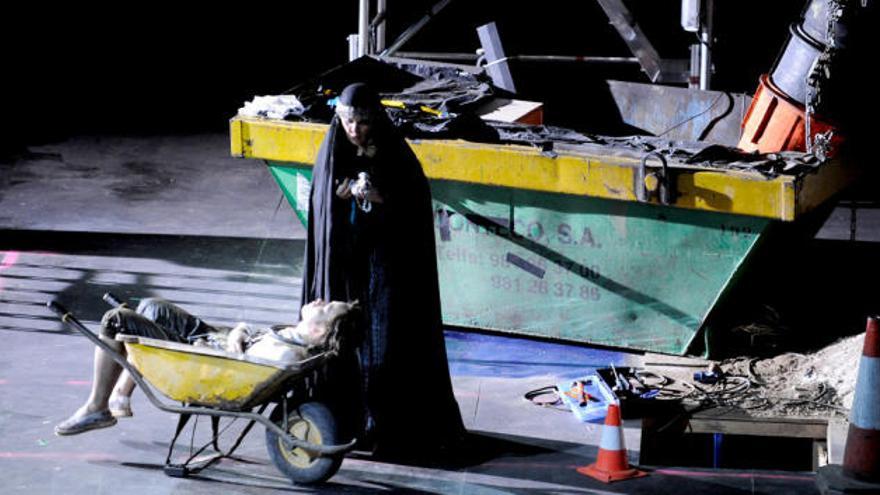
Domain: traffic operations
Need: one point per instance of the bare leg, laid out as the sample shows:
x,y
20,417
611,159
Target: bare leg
x,y
120,399
94,414
106,373
125,385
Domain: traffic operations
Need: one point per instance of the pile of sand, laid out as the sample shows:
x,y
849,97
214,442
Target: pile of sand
x,y
817,384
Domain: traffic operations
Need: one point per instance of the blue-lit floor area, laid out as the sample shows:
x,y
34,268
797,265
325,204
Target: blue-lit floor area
x,y
496,355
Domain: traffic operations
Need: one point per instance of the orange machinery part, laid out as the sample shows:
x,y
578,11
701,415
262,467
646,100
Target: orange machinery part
x,y
775,122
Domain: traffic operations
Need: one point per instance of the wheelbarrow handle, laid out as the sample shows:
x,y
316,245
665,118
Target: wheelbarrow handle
x,y
67,317
114,301
58,308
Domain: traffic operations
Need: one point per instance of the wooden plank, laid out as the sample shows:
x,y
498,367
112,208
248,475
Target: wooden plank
x,y
762,427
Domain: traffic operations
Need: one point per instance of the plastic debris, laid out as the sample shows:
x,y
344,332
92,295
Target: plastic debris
x,y
272,107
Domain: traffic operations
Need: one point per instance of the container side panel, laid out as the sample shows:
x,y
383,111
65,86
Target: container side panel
x,y
575,268
584,269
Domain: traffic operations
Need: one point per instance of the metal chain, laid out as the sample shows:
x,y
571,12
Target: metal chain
x,y
819,74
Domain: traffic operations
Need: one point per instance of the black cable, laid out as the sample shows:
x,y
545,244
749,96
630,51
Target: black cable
x,y
692,117
533,395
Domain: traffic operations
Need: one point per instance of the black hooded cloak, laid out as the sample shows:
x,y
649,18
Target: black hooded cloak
x,y
386,259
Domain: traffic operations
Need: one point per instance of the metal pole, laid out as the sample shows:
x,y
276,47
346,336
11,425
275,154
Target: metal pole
x,y
470,57
380,29
695,64
353,46
460,56
639,44
363,28
706,44
574,58
415,28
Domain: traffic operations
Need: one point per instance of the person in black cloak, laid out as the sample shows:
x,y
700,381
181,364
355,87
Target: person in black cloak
x,y
371,239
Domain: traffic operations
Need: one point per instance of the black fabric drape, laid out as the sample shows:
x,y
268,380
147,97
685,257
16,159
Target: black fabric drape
x,y
386,259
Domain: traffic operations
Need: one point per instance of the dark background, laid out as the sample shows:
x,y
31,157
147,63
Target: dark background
x,y
160,68
142,69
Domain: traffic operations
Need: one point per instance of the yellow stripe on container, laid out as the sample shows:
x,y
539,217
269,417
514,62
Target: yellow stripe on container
x,y
609,176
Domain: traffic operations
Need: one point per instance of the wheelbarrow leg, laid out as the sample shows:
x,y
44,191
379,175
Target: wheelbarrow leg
x,y
189,467
176,470
243,434
215,426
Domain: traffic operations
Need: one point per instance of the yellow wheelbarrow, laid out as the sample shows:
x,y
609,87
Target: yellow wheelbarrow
x,y
301,434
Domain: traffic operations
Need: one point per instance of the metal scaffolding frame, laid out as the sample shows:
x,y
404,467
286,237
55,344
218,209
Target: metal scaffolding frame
x,y
696,16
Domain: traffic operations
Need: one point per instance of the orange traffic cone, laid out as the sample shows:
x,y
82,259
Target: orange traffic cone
x,y
860,472
611,465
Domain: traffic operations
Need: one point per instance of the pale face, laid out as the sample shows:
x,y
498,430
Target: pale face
x,y
357,131
315,318
311,309
320,310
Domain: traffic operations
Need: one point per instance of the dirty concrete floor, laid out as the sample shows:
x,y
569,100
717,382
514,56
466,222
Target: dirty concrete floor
x,y
208,231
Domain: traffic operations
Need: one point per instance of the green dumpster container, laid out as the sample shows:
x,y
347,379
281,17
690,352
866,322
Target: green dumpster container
x,y
560,246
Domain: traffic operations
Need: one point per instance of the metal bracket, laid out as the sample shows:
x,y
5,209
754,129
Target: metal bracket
x,y
496,66
657,181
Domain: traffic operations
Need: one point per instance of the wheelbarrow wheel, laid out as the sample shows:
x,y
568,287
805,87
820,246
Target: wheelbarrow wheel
x,y
313,422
